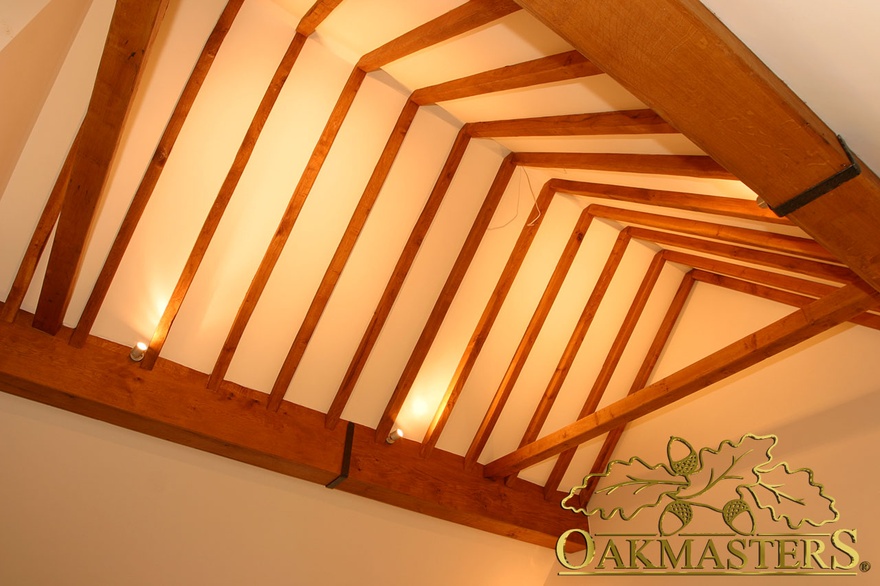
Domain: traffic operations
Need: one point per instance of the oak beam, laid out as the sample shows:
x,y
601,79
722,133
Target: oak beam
x,y
133,28
221,201
487,320
680,60
560,67
153,172
821,315
445,299
603,123
315,15
706,204
172,403
529,338
398,276
687,165
464,18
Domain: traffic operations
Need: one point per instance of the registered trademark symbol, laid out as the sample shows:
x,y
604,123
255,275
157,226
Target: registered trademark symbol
x,y
865,566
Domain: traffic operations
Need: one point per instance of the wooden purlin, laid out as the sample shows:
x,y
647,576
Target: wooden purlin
x,y
529,337
153,172
685,165
704,80
133,28
623,122
221,201
172,403
445,298
821,315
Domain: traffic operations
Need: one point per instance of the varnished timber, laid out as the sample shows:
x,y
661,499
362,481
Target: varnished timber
x,y
821,315
733,234
603,123
529,337
612,359
133,27
287,222
751,255
445,299
342,254
154,170
464,18
221,201
487,319
560,373
710,86
316,15
641,379
687,165
869,320
39,238
171,402
560,67
707,204
398,276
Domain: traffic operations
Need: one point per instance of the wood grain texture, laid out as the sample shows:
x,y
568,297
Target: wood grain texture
x,y
221,201
560,67
133,27
464,18
708,204
172,403
529,337
398,276
821,315
315,15
710,86
445,299
687,165
624,122
154,171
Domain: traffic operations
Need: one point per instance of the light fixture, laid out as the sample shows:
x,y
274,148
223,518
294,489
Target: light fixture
x,y
137,353
395,435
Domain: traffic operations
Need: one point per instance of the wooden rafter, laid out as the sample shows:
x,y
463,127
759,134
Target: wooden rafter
x,y
603,123
487,319
133,27
686,165
716,205
340,257
154,170
530,336
224,195
99,381
315,15
445,299
641,378
398,275
702,79
560,67
582,326
612,359
821,315
468,16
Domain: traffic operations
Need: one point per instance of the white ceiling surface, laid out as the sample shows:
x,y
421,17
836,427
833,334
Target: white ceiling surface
x,y
827,52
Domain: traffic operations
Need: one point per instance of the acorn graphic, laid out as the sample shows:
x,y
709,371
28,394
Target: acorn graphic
x,y
733,516
687,465
679,514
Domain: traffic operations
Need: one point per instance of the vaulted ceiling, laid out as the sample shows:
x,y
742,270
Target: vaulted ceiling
x,y
476,222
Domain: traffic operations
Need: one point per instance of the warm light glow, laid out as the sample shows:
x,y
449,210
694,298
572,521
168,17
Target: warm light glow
x,y
395,435
137,353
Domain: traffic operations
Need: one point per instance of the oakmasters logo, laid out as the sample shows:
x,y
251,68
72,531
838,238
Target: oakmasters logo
x,y
733,509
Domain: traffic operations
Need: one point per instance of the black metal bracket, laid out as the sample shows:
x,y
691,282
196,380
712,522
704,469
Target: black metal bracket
x,y
346,457
821,188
